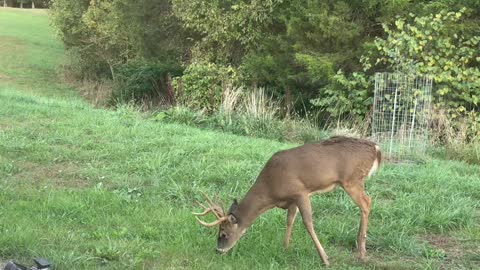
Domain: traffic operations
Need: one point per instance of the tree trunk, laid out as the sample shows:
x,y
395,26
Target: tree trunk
x,y
112,71
21,4
33,4
288,100
5,3
169,90
179,94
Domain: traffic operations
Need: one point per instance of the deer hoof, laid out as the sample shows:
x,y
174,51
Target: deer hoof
x,y
362,256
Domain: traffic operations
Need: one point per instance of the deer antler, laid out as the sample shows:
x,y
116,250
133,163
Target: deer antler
x,y
215,209
211,224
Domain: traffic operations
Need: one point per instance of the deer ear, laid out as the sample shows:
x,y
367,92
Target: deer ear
x,y
233,207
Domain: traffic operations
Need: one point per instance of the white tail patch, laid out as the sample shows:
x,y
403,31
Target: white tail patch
x,y
374,167
375,163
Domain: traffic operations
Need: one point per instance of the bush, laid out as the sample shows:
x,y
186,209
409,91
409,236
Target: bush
x,y
203,84
81,65
140,81
346,96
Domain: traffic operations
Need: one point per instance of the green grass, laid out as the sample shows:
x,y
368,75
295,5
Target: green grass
x,y
29,53
97,189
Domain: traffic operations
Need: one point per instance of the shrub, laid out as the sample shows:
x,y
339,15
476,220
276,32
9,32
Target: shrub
x,y
346,96
141,81
203,84
80,65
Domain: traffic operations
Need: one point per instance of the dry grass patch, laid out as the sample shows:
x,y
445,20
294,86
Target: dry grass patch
x,y
95,92
62,175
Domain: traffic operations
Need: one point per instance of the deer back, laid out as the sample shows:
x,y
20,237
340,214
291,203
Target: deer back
x,y
319,166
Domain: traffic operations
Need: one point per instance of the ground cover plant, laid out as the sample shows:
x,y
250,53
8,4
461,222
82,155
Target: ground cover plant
x,y
93,188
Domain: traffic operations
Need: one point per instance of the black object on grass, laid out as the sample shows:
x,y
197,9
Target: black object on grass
x,y
41,263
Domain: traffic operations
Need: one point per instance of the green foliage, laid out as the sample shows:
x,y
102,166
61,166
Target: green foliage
x,y
112,33
80,64
66,18
203,85
438,46
319,68
144,81
293,48
227,29
346,96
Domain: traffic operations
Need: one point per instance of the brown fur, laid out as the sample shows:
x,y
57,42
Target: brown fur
x,y
290,177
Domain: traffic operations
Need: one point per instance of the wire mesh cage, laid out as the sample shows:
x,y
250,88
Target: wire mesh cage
x,y
401,114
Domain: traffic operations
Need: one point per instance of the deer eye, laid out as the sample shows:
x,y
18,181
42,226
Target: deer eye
x,y
223,234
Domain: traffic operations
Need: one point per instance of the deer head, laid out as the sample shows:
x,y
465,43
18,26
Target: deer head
x,y
229,230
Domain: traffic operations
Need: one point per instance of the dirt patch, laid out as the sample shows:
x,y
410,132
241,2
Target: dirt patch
x,y
60,175
9,45
450,246
458,252
12,54
96,93
4,77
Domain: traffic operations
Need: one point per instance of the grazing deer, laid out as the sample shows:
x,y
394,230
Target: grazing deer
x,y
288,180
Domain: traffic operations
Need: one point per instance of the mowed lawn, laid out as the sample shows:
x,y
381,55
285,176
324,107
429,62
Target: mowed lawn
x,y
91,188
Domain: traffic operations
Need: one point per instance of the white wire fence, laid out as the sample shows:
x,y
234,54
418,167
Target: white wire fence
x,y
401,114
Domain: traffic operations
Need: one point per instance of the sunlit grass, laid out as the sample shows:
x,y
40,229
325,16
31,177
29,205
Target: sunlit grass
x,y
121,189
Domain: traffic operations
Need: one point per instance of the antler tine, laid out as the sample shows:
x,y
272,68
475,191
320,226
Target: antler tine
x,y
212,205
211,224
203,213
220,204
201,205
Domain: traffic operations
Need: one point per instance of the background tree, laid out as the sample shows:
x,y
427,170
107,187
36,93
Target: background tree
x,y
107,34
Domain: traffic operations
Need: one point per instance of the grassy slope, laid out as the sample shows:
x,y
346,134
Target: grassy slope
x,y
29,53
98,189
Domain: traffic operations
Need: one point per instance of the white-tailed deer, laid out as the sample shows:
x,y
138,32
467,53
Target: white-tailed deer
x,y
288,180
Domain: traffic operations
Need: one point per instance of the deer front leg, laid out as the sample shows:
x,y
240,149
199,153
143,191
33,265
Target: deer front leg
x,y
306,211
291,214
364,202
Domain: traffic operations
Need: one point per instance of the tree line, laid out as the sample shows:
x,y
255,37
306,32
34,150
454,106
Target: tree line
x,y
312,55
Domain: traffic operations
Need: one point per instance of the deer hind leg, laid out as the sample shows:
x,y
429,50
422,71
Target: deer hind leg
x,y
306,211
359,196
291,214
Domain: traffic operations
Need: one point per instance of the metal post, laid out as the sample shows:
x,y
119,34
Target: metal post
x,y
393,120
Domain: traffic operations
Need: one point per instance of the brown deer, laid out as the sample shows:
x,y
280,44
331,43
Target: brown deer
x,y
288,180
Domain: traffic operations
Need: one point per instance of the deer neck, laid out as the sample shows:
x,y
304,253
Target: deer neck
x,y
255,203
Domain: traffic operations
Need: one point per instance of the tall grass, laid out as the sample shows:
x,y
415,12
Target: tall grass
x,y
258,105
230,99
251,113
450,139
